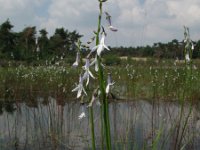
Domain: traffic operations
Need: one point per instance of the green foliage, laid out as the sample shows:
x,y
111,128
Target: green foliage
x,y
27,46
112,60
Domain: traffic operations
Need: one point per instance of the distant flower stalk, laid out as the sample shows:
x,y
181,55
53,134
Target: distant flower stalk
x,y
189,46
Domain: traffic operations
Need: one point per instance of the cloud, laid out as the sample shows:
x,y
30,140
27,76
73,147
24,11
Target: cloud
x,y
139,22
21,13
157,20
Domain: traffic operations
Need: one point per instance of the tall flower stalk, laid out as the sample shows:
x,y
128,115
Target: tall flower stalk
x,y
102,90
104,107
188,51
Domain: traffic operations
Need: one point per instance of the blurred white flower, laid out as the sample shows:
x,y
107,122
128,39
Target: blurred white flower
x,y
109,83
81,116
79,88
194,67
108,18
113,28
87,73
94,97
95,63
92,101
101,46
36,41
38,49
75,64
187,57
187,40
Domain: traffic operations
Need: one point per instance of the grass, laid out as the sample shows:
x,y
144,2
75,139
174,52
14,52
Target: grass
x,y
151,79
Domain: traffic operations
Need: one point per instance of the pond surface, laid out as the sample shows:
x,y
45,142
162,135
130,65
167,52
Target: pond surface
x,y
134,125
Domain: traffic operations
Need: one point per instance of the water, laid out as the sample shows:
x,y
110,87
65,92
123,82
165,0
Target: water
x,y
53,124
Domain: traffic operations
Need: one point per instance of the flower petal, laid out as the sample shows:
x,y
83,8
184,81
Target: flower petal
x,y
100,49
91,74
94,48
88,79
106,47
92,101
107,88
76,89
96,67
75,64
113,28
79,93
84,91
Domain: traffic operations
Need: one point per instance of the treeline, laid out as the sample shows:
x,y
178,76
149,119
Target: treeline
x,y
173,49
29,46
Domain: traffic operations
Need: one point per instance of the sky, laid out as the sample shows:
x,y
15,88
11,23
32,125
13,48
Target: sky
x,y
139,22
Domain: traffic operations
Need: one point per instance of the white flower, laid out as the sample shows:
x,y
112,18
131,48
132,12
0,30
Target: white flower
x,y
109,83
75,64
101,46
187,40
36,41
87,73
94,97
92,101
194,67
113,28
79,88
95,63
187,57
108,18
38,49
81,116
192,47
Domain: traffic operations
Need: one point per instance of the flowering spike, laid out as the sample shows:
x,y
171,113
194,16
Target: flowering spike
x,y
189,46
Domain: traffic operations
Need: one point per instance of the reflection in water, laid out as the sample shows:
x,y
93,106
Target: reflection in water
x,y
49,124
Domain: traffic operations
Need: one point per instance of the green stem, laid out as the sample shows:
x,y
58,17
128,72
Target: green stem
x,y
92,127
105,107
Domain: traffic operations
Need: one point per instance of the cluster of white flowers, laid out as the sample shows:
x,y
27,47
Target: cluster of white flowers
x,y
86,73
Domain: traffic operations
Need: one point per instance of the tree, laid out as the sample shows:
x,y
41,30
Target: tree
x,y
62,41
27,43
7,39
43,43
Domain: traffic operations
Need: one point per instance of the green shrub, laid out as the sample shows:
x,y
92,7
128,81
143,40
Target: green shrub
x,y
112,60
